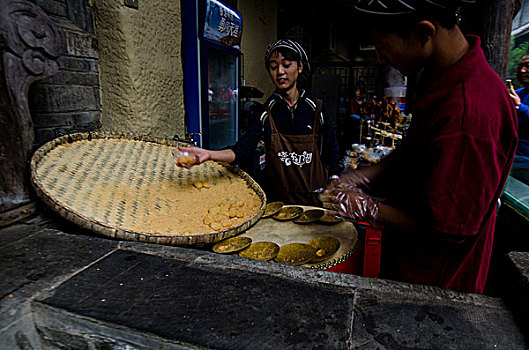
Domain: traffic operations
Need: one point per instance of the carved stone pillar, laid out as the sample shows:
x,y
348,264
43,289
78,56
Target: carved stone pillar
x,y
30,43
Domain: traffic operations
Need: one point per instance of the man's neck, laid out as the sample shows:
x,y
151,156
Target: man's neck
x,y
451,46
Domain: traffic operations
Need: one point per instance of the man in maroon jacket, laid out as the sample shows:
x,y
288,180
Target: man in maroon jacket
x,y
441,185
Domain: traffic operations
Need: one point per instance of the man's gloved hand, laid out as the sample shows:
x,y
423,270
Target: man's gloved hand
x,y
334,182
354,179
351,204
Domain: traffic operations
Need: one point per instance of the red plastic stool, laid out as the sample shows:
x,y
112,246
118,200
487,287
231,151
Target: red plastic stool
x,y
372,246
365,261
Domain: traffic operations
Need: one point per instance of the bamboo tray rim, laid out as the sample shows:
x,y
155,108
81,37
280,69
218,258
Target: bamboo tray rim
x,y
121,233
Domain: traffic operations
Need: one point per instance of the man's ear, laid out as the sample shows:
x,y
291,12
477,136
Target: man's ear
x,y
300,67
425,30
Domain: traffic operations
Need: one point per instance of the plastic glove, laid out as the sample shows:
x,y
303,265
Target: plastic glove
x,y
355,179
351,204
350,180
334,182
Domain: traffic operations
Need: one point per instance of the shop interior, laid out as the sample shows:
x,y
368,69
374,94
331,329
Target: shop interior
x,y
365,99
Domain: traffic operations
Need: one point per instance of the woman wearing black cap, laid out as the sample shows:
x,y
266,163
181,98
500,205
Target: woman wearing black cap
x,y
300,141
442,183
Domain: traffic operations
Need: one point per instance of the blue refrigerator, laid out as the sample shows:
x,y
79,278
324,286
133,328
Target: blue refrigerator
x,y
211,58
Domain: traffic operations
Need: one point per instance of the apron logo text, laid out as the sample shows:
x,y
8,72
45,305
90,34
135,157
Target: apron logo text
x,y
293,157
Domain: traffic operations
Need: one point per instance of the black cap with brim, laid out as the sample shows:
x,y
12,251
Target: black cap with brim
x,y
403,7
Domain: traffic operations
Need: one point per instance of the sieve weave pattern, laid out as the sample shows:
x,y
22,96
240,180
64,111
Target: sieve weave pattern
x,y
127,186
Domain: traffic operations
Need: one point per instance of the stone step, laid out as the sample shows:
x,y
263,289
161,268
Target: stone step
x,y
33,261
184,298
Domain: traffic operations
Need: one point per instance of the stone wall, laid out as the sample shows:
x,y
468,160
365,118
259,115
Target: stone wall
x,y
141,66
68,101
123,68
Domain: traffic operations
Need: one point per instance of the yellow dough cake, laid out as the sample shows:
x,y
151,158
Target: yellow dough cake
x,y
127,186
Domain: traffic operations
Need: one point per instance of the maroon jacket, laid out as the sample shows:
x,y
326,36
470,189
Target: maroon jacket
x,y
450,171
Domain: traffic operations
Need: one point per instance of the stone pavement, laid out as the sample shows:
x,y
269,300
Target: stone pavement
x,y
79,291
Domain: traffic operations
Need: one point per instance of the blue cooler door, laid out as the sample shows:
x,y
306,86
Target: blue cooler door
x,y
221,127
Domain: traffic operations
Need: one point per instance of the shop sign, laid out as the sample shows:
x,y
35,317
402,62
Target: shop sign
x,y
223,24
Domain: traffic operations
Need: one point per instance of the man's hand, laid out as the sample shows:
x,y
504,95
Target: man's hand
x,y
352,180
351,204
516,99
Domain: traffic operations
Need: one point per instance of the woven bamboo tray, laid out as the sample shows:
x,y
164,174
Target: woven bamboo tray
x,y
126,186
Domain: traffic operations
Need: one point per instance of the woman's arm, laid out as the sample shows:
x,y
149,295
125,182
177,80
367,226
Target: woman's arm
x,y
241,150
201,155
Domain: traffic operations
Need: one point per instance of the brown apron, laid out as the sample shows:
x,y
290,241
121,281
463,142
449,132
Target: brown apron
x,y
294,167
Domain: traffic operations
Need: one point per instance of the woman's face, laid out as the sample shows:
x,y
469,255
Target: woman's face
x,y
284,73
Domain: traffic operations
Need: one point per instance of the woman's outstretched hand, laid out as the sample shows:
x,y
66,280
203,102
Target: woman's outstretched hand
x,y
186,157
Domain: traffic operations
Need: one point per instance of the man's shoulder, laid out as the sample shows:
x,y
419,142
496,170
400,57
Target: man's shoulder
x,y
463,106
480,112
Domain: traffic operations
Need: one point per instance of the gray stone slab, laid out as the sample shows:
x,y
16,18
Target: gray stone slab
x,y
521,262
33,261
518,286
45,218
194,298
60,329
384,321
40,254
314,276
21,333
12,234
206,306
389,314
154,296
